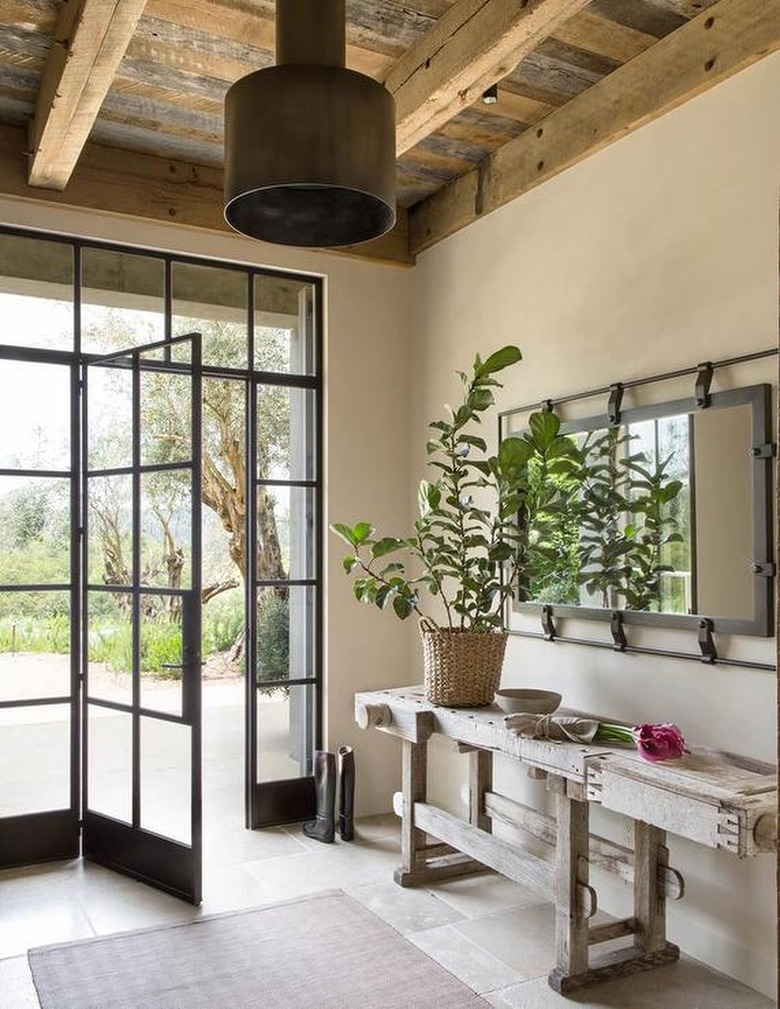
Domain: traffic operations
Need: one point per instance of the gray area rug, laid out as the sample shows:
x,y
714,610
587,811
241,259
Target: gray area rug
x,y
320,952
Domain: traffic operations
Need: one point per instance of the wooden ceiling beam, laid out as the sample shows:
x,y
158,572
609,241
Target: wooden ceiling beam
x,y
723,40
160,189
90,39
474,44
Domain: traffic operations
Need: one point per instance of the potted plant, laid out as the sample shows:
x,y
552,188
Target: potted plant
x,y
475,534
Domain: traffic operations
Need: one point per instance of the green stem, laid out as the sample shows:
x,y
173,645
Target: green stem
x,y
608,733
384,581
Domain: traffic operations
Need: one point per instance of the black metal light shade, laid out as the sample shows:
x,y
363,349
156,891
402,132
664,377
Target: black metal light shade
x,y
310,145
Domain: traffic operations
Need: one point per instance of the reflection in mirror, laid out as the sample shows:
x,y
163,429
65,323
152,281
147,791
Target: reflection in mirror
x,y
661,514
724,512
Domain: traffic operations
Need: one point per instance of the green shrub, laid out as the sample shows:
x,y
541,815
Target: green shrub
x,y
273,637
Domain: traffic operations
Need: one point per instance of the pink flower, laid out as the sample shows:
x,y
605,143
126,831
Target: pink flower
x,y
659,742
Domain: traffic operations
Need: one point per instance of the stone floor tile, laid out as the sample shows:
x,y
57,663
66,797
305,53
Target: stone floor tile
x,y
684,985
17,990
473,964
406,910
523,938
38,921
474,896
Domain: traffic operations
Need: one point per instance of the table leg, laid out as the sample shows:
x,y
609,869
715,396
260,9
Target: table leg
x,y
571,879
414,788
480,781
573,968
650,852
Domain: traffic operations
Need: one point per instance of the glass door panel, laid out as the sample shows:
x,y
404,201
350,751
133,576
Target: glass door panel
x,y
38,567
142,639
284,654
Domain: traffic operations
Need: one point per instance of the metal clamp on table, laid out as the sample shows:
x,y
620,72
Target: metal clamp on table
x,y
716,799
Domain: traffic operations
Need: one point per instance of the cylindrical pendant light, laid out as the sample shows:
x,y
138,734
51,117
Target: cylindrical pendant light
x,y
310,145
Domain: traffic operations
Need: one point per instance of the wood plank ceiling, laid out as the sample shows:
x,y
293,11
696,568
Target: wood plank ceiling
x,y
150,79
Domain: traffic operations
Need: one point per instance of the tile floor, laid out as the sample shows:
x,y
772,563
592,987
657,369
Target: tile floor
x,y
495,935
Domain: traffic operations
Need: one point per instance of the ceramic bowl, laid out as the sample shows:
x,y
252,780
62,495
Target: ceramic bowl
x,y
534,702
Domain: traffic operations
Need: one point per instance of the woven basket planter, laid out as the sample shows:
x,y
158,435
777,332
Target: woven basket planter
x,y
462,669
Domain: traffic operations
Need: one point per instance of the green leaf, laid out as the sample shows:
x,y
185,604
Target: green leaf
x,y
480,399
428,497
545,426
671,490
497,361
475,440
344,532
361,531
381,595
387,545
402,607
390,568
500,552
514,453
349,564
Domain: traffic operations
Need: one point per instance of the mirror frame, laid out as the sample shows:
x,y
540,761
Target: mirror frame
x,y
761,624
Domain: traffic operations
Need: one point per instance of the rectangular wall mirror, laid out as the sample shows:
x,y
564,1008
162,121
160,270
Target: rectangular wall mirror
x,y
665,516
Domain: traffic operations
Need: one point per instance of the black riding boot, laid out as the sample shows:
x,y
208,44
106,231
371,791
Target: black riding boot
x,y
323,828
346,793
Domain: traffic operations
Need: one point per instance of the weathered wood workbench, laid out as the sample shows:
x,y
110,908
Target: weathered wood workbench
x,y
716,799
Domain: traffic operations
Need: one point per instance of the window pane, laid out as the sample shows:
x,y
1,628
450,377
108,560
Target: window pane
x,y
212,302
161,653
34,416
286,532
34,645
109,528
110,417
285,732
34,531
122,300
41,780
166,418
110,770
166,529
165,779
36,292
286,433
284,325
285,633
110,646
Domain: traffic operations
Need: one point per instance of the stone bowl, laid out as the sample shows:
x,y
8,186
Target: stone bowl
x,y
533,702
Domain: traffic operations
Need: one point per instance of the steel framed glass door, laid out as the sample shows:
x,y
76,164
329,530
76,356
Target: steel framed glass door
x,y
284,621
141,607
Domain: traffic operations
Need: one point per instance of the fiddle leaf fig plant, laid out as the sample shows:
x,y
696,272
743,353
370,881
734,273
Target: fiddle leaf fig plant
x,y
468,547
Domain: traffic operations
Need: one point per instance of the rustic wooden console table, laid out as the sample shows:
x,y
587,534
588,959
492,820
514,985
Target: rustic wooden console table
x,y
716,799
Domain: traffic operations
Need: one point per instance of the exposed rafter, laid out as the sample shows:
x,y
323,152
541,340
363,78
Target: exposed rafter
x,y
474,44
90,39
724,39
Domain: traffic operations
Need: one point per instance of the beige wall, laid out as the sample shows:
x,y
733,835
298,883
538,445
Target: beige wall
x,y
366,378
655,254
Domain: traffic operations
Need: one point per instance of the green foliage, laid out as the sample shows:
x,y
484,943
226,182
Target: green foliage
x,y
223,622
273,637
467,545
31,634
